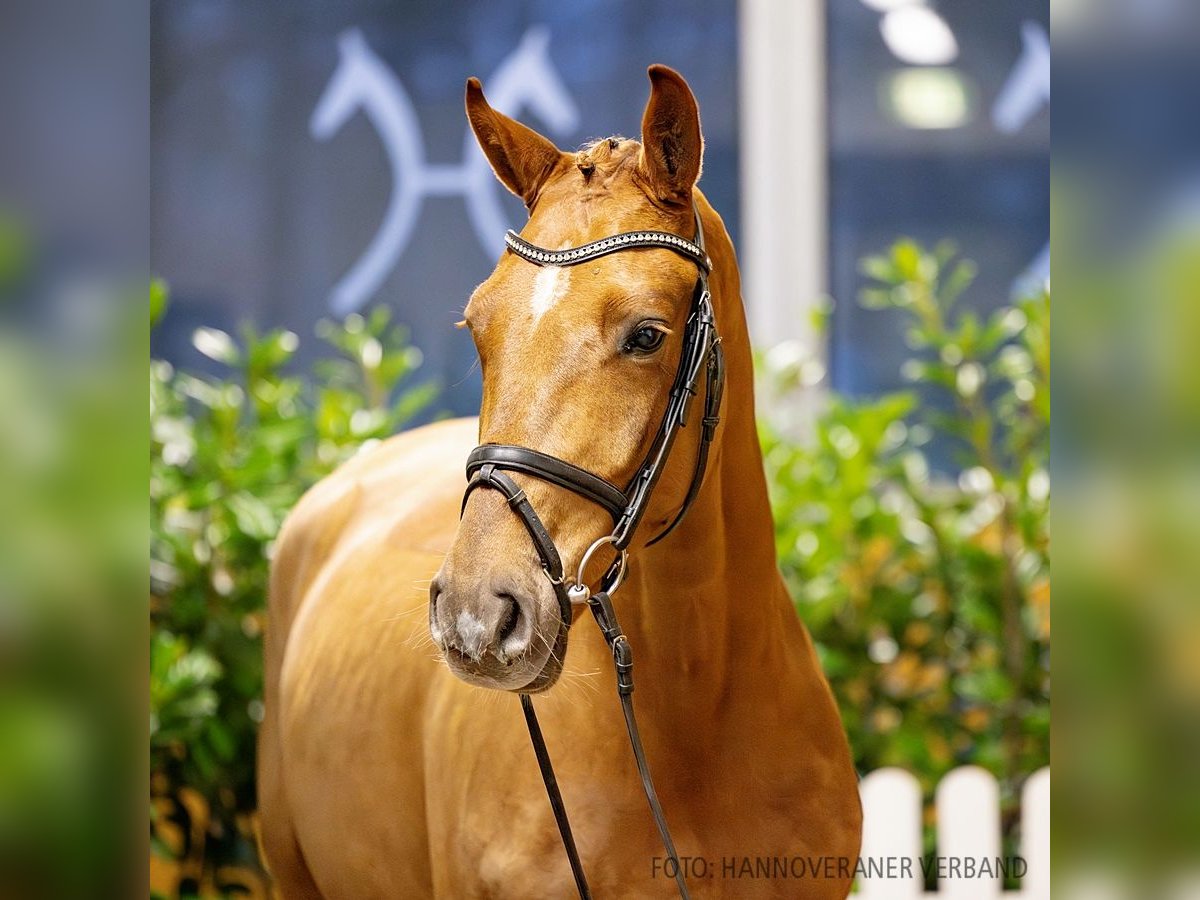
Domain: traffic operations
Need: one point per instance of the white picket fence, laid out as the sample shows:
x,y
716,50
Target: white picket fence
x,y
968,835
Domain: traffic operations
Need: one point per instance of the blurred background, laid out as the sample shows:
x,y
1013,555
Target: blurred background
x,y
297,182
314,160
320,214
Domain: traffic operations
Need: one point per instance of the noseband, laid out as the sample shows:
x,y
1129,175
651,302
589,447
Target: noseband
x,y
489,465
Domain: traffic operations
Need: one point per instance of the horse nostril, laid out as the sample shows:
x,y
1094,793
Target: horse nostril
x,y
496,623
435,594
508,623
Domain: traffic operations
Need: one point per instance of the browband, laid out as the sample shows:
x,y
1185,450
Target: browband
x,y
573,256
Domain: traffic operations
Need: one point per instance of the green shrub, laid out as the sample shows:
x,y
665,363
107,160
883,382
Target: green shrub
x,y
229,456
927,594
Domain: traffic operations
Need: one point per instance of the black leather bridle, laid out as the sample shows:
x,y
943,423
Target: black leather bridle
x,y
489,465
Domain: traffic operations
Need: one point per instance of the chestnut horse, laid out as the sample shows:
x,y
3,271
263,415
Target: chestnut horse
x,y
395,764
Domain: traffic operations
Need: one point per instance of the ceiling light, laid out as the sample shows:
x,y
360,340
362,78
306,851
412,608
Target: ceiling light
x,y
889,5
928,98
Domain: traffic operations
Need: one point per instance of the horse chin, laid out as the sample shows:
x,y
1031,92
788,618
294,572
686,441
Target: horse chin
x,y
515,677
548,676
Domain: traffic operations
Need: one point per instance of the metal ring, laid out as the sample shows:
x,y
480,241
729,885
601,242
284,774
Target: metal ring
x,y
587,557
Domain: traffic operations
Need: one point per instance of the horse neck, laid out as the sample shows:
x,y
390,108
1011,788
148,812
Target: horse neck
x,y
709,596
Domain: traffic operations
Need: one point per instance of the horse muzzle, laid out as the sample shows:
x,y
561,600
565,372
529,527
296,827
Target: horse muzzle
x,y
499,630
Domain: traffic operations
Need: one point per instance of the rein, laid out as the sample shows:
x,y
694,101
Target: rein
x,y
488,465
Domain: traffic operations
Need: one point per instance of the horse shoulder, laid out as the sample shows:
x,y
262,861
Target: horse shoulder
x,y
403,491
401,483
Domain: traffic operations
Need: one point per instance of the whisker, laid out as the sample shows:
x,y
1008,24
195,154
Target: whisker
x,y
420,639
467,374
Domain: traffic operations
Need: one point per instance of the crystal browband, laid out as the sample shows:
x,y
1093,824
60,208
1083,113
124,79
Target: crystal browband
x,y
572,256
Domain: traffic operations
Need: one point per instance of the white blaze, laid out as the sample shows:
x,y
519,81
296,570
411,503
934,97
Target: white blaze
x,y
549,286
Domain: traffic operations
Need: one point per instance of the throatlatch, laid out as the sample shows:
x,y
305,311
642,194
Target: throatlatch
x,y
488,464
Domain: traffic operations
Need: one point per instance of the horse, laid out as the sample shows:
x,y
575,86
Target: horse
x,y
403,620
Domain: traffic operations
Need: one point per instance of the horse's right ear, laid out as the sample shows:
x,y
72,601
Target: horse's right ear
x,y
521,158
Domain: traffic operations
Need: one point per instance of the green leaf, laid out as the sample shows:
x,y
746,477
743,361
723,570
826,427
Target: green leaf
x,y
907,261
159,296
254,518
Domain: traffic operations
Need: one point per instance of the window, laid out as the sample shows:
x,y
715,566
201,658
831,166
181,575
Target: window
x,y
939,128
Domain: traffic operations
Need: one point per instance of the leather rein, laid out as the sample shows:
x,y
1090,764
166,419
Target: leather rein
x,y
489,465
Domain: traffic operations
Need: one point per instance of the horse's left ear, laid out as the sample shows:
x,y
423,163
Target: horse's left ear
x,y
521,158
672,147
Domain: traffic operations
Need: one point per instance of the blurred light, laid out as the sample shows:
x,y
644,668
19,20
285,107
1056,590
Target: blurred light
x,y
883,650
919,36
927,98
888,5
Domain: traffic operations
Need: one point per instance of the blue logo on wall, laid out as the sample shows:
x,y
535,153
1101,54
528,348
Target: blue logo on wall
x,y
525,79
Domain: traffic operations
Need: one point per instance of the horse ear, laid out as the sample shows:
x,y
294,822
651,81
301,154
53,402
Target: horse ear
x,y
521,158
672,147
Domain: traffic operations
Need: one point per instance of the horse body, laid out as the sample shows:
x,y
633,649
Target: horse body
x,y
384,775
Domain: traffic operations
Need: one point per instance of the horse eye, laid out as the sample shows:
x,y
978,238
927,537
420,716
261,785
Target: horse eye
x,y
645,340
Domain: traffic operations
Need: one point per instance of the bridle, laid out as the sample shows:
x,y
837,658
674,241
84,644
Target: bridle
x,y
489,465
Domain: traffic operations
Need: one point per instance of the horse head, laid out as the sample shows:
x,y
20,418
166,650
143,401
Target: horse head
x,y
577,363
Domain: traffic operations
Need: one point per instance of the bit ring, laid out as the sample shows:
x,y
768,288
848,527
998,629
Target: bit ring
x,y
623,557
